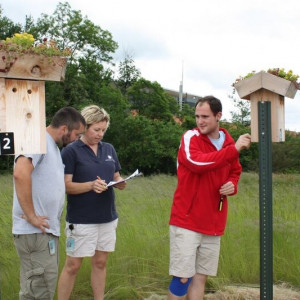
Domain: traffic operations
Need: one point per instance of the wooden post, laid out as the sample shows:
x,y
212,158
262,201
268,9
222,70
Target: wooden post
x,y
277,114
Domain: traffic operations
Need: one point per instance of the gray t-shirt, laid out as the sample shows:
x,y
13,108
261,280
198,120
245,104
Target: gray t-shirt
x,y
48,191
218,143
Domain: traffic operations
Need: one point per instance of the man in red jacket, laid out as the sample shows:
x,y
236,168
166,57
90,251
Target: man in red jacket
x,y
208,170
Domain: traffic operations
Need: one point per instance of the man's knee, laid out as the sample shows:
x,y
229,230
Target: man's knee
x,y
179,286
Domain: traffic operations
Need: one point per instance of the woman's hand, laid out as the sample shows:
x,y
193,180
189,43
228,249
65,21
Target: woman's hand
x,y
99,185
121,185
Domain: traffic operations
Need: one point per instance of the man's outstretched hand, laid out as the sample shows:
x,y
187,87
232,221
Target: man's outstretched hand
x,y
243,142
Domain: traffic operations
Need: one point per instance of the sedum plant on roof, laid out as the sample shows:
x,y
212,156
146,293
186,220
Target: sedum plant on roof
x,y
24,43
21,44
277,72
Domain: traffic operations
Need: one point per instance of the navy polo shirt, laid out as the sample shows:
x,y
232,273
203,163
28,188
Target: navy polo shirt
x,y
81,161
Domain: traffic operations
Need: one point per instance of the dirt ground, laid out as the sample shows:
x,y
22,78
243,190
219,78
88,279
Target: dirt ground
x,y
280,292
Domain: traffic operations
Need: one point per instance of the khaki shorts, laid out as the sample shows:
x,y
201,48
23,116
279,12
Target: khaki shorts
x,y
193,252
38,268
91,237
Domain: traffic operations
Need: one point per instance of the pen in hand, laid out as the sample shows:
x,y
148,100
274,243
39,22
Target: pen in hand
x,y
103,183
99,178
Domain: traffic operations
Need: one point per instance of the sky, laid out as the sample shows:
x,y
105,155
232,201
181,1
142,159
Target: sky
x,y
207,43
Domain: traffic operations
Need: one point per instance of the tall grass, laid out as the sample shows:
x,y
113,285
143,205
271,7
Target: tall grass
x,y
139,266
9,262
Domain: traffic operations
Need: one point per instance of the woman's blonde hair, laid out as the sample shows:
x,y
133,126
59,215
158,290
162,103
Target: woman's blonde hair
x,y
95,114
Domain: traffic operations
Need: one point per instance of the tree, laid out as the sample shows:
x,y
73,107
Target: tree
x,y
7,27
149,99
91,50
149,145
242,115
187,115
71,30
248,158
128,73
173,104
112,100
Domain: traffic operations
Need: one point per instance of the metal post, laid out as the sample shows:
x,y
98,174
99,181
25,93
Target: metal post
x,y
265,200
180,96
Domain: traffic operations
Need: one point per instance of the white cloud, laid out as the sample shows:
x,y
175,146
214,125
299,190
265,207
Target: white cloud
x,y
216,40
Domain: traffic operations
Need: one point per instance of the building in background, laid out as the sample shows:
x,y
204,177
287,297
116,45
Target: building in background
x,y
186,98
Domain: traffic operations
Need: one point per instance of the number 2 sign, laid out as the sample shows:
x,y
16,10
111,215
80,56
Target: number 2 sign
x,y
7,143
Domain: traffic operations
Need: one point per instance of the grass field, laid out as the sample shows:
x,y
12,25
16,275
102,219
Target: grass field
x,y
139,266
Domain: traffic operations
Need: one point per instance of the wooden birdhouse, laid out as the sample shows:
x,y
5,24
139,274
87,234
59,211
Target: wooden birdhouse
x,y
264,86
22,100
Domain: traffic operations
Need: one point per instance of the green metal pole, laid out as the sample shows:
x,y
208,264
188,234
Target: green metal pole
x,y
265,200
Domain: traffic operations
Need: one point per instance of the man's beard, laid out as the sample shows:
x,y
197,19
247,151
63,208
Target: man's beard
x,y
65,140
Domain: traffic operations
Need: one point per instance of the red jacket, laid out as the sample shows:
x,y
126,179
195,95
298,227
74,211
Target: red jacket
x,y
201,171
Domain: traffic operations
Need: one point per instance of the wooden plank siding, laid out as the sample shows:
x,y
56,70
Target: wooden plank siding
x,y
22,111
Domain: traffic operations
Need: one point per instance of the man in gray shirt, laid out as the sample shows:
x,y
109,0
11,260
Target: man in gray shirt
x,y
39,194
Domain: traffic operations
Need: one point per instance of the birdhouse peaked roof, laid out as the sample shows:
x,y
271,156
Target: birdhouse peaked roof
x,y
264,80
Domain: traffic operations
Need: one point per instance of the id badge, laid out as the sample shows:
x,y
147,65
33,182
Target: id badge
x,y
70,244
52,247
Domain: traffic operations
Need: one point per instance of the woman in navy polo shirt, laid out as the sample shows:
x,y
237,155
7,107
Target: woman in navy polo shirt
x,y
91,212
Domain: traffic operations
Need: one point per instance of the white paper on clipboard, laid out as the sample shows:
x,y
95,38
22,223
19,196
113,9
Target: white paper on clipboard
x,y
134,174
